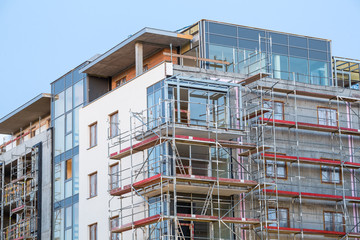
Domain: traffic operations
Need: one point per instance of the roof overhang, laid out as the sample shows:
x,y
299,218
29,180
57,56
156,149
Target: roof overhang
x,y
27,113
122,55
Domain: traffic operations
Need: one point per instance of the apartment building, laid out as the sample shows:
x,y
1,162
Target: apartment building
x,y
215,131
220,131
25,171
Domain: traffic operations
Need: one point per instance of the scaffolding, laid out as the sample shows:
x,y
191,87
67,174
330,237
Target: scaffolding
x,y
312,154
278,159
19,195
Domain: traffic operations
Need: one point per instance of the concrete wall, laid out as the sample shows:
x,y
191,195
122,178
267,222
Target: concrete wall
x,y
131,96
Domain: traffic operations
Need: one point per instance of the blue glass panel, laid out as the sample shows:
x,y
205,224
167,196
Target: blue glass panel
x,y
78,93
249,44
228,41
298,52
319,73
59,104
222,29
68,99
281,49
300,67
279,38
280,67
222,53
77,75
59,135
318,44
75,174
298,41
318,55
68,80
59,85
76,221
250,33
68,217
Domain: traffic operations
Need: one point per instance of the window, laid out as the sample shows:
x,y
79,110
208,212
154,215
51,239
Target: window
x,y
114,125
334,221
114,176
93,135
93,185
277,107
282,214
327,116
114,223
93,231
281,169
330,174
121,81
68,173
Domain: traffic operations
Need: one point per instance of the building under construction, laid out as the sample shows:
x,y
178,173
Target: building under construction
x,y
25,176
220,131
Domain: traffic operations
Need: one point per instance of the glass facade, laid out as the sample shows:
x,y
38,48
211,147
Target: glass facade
x,y
68,97
306,59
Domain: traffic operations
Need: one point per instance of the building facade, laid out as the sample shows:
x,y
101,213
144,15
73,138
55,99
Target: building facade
x,y
217,131
233,133
25,176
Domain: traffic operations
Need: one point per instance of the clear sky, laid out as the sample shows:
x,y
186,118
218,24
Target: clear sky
x,y
40,40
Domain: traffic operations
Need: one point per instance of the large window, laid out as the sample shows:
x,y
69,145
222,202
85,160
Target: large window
x,y
327,116
278,170
156,111
114,124
191,105
277,108
334,221
93,134
330,174
93,185
279,214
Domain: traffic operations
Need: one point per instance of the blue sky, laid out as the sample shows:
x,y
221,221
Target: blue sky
x,y
40,40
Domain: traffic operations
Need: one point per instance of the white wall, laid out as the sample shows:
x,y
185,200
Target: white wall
x,y
131,96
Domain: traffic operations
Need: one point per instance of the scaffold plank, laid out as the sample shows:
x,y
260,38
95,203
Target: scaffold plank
x,y
311,126
222,181
312,94
150,142
314,196
137,224
313,161
183,178
253,78
184,217
286,230
255,114
207,218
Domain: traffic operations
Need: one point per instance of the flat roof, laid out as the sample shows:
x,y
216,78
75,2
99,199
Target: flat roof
x,y
29,112
122,55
